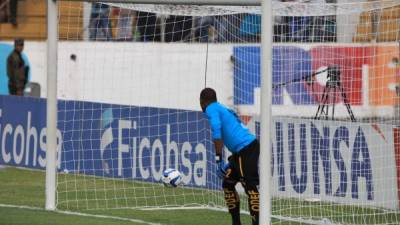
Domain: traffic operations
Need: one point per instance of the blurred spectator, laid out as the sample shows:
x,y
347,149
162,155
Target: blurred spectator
x,y
207,29
375,19
3,11
324,28
300,28
281,29
224,28
125,25
17,71
100,24
396,64
250,28
177,28
147,27
311,28
228,27
13,12
203,26
221,28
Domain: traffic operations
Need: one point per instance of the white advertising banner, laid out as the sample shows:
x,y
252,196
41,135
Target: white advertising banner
x,y
341,162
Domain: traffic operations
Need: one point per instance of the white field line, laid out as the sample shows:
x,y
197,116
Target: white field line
x,y
80,214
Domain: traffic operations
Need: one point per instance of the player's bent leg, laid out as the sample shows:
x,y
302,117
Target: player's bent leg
x,y
232,199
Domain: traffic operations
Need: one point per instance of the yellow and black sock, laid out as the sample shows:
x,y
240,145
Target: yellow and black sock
x,y
233,203
254,202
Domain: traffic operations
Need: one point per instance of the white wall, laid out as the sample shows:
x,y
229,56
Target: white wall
x,y
165,75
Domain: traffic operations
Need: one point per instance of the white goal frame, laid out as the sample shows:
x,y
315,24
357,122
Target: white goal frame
x,y
266,93
51,116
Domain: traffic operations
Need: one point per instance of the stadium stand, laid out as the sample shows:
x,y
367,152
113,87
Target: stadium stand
x,y
31,16
381,26
387,26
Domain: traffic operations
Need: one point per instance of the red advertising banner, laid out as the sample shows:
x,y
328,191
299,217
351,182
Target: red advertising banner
x,y
383,76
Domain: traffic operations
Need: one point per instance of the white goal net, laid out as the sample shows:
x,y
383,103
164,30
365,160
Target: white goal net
x,y
129,79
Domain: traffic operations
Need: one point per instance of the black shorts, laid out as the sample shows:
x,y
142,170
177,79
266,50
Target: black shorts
x,y
244,165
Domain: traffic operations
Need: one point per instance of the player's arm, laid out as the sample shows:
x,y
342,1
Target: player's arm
x,y
216,129
222,167
218,145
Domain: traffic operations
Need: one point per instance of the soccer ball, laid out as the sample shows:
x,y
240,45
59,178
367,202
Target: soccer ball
x,y
171,178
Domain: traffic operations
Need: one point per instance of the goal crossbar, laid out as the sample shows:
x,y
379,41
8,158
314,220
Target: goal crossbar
x,y
184,2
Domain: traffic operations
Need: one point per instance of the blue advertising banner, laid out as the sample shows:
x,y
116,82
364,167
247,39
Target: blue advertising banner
x,y
334,161
109,140
247,74
22,131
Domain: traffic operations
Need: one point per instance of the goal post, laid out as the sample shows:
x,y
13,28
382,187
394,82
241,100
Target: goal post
x,y
266,112
51,144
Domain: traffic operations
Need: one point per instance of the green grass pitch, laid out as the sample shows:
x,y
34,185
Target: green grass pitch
x,y
114,199
26,187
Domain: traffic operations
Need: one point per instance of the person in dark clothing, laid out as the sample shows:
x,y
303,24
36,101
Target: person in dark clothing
x,y
147,26
100,23
13,12
3,11
17,71
177,28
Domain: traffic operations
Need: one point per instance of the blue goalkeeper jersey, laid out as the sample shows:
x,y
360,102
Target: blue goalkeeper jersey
x,y
226,125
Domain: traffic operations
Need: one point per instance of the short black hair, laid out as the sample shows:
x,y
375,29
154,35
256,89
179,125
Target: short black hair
x,y
18,42
208,94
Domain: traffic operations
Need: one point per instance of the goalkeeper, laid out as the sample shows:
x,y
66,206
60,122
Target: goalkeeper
x,y
228,130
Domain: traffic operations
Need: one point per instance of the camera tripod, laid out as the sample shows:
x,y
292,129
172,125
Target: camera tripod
x,y
333,85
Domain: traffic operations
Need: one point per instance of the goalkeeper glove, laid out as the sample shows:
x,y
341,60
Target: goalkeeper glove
x,y
222,169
